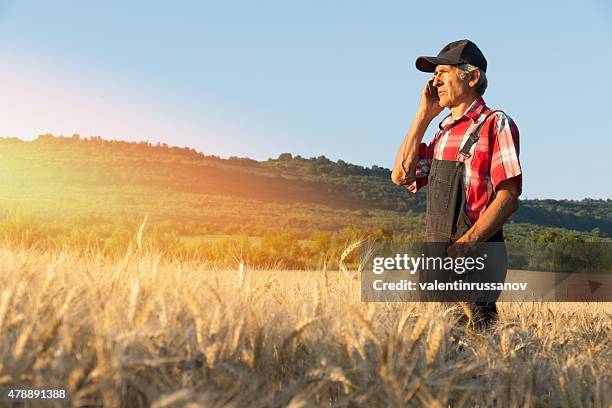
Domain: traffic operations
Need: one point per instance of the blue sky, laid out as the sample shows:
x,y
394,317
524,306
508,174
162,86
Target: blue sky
x,y
333,78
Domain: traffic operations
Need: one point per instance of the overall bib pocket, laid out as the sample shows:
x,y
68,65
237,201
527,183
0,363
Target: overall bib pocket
x,y
438,194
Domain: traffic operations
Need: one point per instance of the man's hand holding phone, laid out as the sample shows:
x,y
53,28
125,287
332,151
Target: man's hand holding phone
x,y
430,103
404,169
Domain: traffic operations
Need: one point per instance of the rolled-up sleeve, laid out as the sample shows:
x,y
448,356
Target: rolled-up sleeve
x,y
505,162
422,168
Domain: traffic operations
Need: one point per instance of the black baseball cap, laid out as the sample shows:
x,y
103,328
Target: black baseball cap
x,y
457,52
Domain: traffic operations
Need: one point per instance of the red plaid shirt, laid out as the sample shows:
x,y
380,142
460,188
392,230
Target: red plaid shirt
x,y
494,158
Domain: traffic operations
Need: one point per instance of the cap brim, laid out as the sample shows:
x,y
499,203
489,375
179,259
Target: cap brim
x,y
428,64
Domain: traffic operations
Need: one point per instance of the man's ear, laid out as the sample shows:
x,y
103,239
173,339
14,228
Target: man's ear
x,y
474,78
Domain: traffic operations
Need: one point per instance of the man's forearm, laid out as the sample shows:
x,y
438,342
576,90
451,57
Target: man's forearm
x,y
408,154
493,218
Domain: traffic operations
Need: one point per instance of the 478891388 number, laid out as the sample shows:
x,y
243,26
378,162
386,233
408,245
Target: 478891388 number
x,y
26,394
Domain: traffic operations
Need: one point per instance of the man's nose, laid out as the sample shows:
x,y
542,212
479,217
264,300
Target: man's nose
x,y
437,82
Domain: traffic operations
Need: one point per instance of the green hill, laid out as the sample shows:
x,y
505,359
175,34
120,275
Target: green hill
x,y
73,179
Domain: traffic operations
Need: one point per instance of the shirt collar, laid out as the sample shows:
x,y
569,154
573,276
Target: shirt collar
x,y
473,113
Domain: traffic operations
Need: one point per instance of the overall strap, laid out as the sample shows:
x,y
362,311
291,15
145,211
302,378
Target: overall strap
x,y
474,136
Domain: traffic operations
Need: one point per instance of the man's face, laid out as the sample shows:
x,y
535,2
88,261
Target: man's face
x,y
451,89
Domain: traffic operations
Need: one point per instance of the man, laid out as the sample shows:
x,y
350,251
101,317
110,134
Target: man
x,y
471,165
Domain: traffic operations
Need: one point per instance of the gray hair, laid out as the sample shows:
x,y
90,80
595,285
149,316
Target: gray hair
x,y
466,69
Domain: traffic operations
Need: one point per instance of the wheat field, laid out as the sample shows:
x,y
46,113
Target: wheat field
x,y
143,331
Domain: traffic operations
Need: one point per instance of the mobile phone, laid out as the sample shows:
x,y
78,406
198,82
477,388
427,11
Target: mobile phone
x,y
432,89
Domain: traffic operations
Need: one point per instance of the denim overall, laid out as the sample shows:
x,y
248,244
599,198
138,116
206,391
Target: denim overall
x,y
447,221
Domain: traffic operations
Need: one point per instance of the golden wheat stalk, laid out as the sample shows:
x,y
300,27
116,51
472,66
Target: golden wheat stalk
x,y
133,302
434,345
504,345
242,283
347,251
316,304
468,313
236,336
140,234
4,303
22,340
418,328
364,324
297,331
